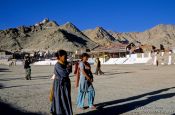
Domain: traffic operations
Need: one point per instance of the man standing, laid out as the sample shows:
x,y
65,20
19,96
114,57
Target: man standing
x,y
27,68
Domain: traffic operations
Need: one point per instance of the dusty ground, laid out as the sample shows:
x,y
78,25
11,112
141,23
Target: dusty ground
x,y
124,89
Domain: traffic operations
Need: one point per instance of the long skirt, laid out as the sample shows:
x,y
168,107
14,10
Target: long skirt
x,y
61,104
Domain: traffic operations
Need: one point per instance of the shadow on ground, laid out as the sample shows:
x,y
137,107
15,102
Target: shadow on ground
x,y
7,109
4,87
4,70
115,73
40,77
23,78
131,103
9,79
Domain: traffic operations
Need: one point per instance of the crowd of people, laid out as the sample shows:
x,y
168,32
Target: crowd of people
x,y
60,92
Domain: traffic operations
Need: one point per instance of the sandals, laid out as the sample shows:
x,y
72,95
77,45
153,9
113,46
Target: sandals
x,y
81,108
93,107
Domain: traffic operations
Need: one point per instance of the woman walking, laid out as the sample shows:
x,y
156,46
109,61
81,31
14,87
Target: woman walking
x,y
61,103
98,67
85,84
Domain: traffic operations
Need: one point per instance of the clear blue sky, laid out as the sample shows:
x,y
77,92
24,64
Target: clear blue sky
x,y
116,15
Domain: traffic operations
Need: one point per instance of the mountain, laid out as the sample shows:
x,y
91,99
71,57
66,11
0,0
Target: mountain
x,y
72,29
45,35
160,34
48,35
100,36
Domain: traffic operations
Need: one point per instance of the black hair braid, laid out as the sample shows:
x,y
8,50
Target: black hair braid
x,y
60,53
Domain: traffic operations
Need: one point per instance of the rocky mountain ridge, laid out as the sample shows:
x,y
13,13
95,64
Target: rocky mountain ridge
x,y
48,35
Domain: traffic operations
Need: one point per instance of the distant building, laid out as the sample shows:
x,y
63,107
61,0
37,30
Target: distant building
x,y
114,51
5,54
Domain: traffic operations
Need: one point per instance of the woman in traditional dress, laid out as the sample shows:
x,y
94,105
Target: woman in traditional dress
x,y
98,67
85,84
61,103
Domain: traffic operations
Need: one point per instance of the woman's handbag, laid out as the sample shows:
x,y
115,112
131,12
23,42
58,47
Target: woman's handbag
x,y
51,94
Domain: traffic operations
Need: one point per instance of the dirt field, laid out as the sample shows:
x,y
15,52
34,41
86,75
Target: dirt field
x,y
124,89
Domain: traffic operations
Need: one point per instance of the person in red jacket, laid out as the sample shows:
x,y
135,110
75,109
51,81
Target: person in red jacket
x,y
77,74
